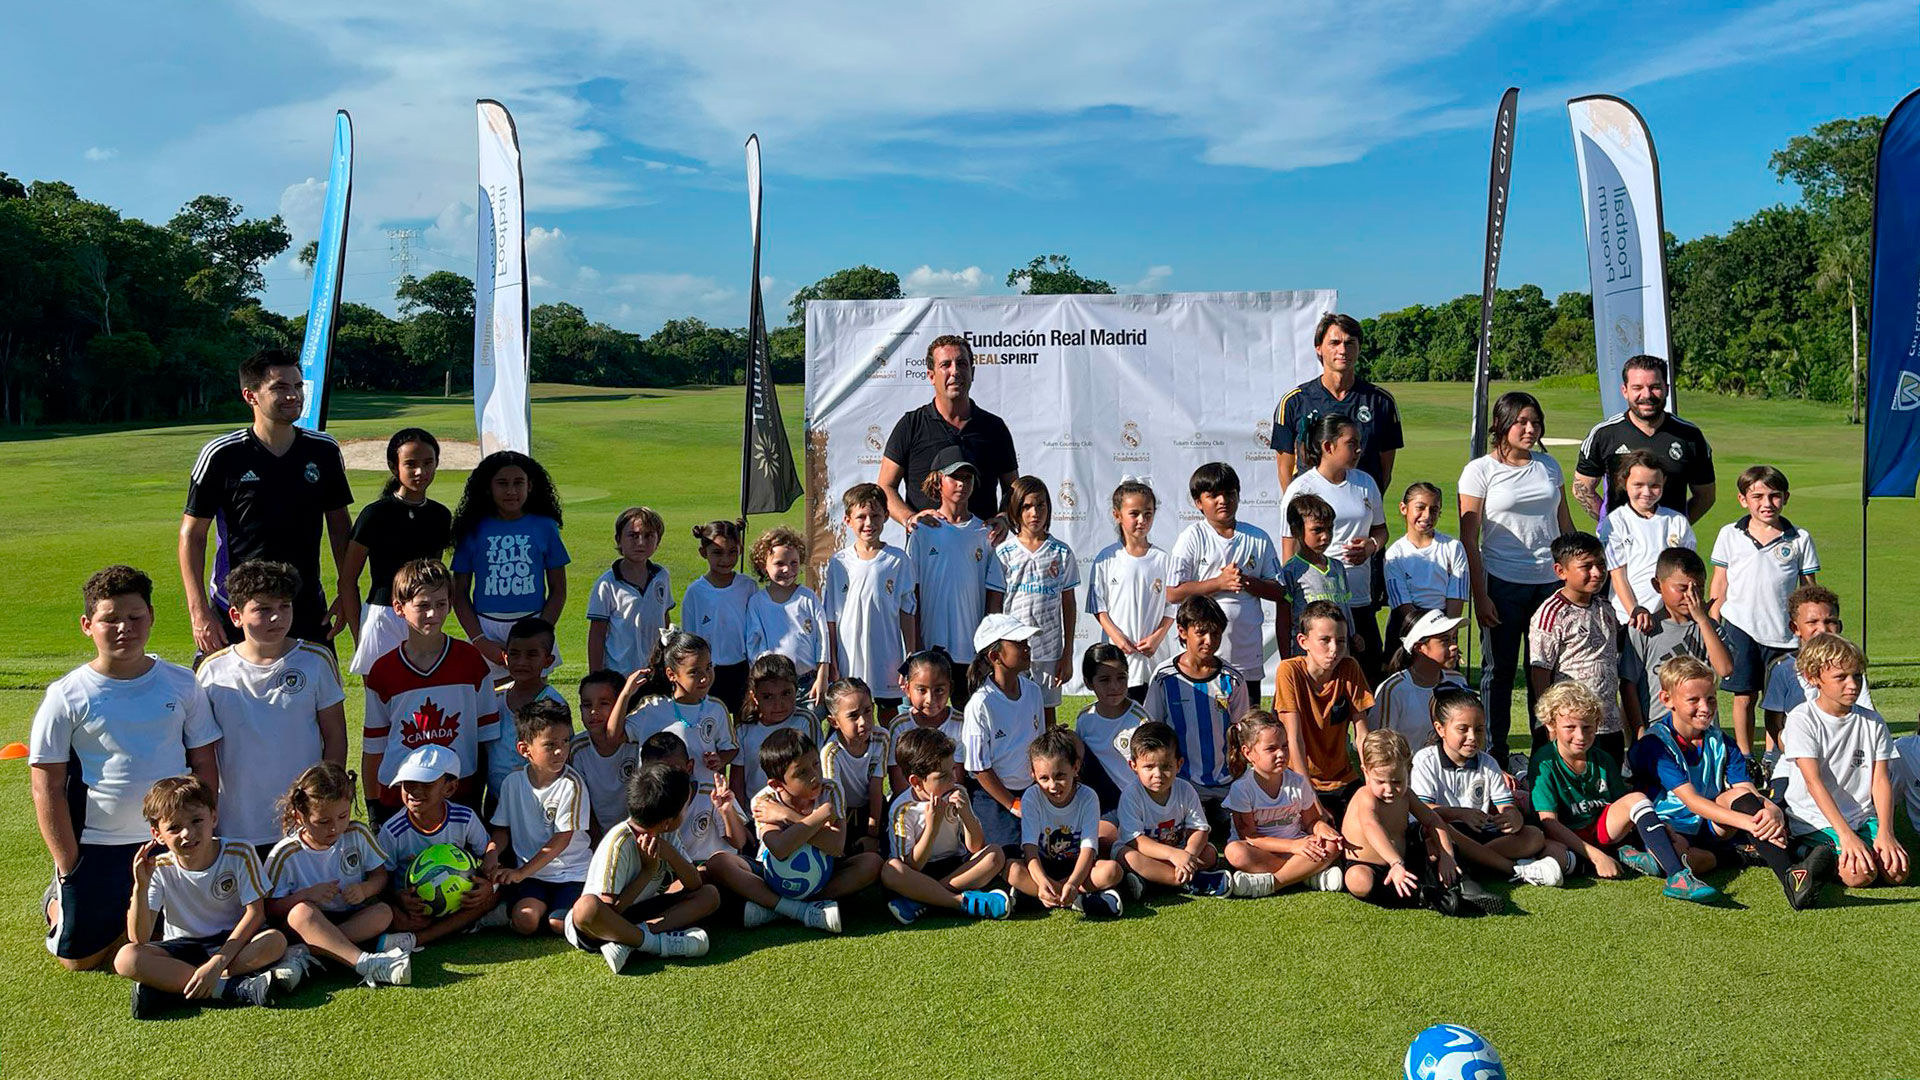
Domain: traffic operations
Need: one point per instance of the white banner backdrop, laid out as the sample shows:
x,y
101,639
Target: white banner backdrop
x,y
1095,389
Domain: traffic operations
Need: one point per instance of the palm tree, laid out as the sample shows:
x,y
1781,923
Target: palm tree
x,y
1843,262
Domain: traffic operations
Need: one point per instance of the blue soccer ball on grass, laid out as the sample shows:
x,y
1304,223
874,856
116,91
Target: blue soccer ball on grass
x,y
1451,1052
799,875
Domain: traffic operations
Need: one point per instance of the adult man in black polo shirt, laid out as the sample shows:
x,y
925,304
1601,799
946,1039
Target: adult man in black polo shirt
x,y
265,489
1646,425
950,419
1339,389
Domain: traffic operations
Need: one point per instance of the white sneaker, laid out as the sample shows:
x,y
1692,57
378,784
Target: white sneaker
x,y
391,966
1538,871
616,955
755,915
290,968
682,942
1332,879
824,915
1250,886
495,918
402,941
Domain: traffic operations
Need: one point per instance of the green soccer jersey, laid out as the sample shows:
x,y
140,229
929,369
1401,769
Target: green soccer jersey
x,y
1577,798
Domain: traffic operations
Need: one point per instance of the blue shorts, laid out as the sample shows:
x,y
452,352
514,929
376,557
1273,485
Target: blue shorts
x,y
558,896
1750,661
94,897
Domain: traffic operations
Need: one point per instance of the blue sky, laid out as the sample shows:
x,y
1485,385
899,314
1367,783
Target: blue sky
x,y
1165,147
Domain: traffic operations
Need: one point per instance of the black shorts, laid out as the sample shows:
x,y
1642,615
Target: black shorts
x,y
94,897
191,950
730,686
944,867
1058,869
1335,802
558,896
1485,834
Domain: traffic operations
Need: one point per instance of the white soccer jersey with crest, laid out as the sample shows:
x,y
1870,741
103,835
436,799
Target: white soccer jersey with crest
x,y
1169,822
1131,591
751,737
950,569
828,792
1280,816
855,774
1036,585
202,903
864,600
907,822
634,614
617,861
268,715
606,777
702,834
293,866
704,727
953,727
1107,739
796,629
533,814
1060,832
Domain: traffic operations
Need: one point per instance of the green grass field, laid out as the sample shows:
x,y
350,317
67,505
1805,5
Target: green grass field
x,y
1595,980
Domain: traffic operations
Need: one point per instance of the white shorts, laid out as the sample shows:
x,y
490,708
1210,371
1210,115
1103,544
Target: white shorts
x,y
497,629
1049,686
382,630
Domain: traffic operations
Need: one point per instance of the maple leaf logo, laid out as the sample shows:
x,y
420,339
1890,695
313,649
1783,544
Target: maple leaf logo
x,y
429,724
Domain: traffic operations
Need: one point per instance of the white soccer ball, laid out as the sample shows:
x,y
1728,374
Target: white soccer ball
x,y
1451,1052
800,874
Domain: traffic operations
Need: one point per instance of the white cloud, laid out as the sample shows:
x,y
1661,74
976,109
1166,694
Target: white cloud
x,y
1151,281
924,280
100,153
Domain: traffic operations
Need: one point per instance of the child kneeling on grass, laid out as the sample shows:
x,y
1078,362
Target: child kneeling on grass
x,y
1060,834
1467,790
796,809
1584,804
1699,783
1281,835
216,944
642,895
941,857
1836,754
1401,852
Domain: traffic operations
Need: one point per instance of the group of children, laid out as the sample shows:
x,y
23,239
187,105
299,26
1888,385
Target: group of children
x,y
779,750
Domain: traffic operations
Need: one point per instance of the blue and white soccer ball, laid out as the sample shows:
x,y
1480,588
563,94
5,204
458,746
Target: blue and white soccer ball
x,y
800,874
1451,1052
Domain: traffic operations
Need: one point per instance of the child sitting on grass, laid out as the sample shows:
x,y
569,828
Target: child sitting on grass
x,y
1060,834
425,781
641,894
326,876
712,822
1163,830
216,944
1587,808
853,761
1467,790
1699,783
542,820
1401,852
1282,837
1840,789
941,857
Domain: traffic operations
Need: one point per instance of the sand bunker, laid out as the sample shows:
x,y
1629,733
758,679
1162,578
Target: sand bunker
x,y
370,455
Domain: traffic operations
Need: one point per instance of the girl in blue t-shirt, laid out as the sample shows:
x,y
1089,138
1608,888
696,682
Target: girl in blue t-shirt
x,y
508,561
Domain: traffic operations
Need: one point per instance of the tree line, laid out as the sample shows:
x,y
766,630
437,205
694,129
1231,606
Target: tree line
x,y
107,317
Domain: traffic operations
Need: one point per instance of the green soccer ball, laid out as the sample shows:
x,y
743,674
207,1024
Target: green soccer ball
x,y
440,876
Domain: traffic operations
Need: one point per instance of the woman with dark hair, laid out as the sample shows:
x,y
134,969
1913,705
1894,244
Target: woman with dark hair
x,y
1512,507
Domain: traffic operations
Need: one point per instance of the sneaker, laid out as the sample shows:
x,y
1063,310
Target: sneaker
x,y
1768,761
1640,861
148,1002
1684,886
905,911
1539,872
1448,901
1518,764
1133,887
497,917
824,915
1101,905
1209,883
251,990
616,955
1250,886
1807,876
1332,879
987,903
683,943
393,967
402,941
290,968
1479,896
756,915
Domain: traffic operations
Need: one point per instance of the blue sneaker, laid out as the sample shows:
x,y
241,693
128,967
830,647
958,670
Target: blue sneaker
x,y
1684,886
1210,883
987,903
1641,861
905,911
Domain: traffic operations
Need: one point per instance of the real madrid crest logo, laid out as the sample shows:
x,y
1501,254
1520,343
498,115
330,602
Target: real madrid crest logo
x,y
225,886
628,767
1674,451
1130,434
1364,414
350,862
889,586
313,473
294,681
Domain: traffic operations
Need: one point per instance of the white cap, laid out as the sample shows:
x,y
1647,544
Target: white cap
x,y
427,764
1429,624
1000,626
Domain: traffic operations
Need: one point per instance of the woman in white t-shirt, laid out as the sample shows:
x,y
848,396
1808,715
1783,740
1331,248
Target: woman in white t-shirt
x,y
1359,524
1513,505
